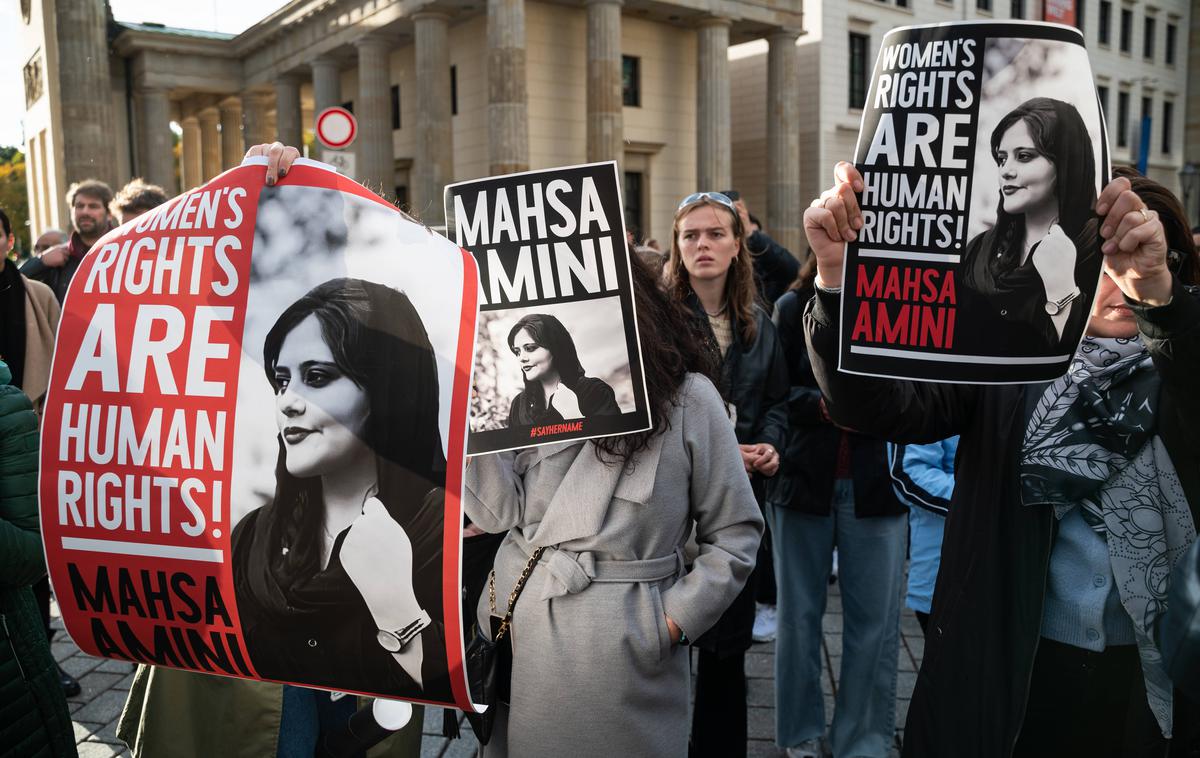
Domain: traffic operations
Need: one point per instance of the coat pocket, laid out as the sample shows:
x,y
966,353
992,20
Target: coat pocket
x,y
660,624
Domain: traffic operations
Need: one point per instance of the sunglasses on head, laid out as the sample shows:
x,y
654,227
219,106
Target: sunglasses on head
x,y
715,196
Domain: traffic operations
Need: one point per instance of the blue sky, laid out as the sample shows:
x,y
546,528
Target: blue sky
x,y
215,15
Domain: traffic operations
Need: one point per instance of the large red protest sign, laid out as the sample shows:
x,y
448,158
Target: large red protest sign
x,y
253,443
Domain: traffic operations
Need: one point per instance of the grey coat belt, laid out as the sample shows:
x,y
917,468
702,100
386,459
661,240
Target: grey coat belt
x,y
569,572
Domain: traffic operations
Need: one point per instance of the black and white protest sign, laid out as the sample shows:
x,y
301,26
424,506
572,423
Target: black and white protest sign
x,y
982,151
556,353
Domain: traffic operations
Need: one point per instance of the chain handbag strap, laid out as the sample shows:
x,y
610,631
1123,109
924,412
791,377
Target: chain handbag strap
x,y
512,597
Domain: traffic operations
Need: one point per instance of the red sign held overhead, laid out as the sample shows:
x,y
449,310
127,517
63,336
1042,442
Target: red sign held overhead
x,y
336,128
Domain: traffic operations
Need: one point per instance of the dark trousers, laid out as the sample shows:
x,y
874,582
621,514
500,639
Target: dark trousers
x,y
923,620
764,570
1088,704
719,716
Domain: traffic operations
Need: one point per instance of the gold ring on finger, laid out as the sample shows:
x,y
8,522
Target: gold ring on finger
x,y
1145,215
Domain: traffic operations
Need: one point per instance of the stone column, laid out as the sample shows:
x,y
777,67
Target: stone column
x,y
210,143
433,164
232,147
713,132
508,109
287,111
327,84
85,91
155,160
254,117
191,170
375,156
605,107
784,204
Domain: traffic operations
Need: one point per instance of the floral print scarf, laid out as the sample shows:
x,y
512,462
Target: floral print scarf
x,y
1092,442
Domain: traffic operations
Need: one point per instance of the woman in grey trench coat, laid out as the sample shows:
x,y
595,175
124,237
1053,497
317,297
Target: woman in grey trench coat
x,y
598,668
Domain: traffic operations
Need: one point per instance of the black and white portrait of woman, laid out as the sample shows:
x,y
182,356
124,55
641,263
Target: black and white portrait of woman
x,y
550,363
1030,268
1027,279
556,388
338,578
342,442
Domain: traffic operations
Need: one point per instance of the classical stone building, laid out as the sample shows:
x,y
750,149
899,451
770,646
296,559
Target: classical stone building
x,y
443,90
1138,50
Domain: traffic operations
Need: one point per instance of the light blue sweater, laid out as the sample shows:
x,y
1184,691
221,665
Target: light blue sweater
x,y
1082,606
923,479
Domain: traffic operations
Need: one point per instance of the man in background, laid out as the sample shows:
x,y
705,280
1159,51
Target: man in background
x,y
89,201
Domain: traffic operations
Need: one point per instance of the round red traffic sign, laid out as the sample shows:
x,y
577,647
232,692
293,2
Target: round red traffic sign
x,y
336,127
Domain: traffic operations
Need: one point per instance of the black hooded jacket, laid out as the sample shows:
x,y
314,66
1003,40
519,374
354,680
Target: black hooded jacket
x,y
986,618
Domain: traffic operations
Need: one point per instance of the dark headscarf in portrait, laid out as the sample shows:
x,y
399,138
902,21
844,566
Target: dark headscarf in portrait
x,y
379,341
548,332
993,265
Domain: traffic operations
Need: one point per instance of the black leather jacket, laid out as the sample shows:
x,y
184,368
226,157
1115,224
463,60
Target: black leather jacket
x,y
753,379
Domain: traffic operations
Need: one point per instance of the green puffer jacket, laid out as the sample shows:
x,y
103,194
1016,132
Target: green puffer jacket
x,y
34,722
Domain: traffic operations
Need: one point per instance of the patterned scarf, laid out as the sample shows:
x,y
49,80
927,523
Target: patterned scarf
x,y
1091,442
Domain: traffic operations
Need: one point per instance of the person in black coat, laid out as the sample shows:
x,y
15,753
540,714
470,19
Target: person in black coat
x,y
833,489
710,270
555,386
1031,539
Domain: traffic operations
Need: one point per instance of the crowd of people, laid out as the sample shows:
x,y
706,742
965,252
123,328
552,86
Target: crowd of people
x,y
1053,623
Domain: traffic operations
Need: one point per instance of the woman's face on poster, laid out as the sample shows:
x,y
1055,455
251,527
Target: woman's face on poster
x,y
1027,177
707,243
536,361
321,412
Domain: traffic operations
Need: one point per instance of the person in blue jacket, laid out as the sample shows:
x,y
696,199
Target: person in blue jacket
x,y
923,478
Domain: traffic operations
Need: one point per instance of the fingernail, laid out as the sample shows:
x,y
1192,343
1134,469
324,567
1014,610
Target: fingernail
x,y
858,186
858,223
1106,231
283,172
270,180
1108,247
851,235
1101,209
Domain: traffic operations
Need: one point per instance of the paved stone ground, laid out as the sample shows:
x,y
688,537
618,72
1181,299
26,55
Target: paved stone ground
x,y
105,684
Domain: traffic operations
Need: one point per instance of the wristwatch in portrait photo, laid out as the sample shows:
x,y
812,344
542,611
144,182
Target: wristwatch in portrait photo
x,y
1055,307
395,641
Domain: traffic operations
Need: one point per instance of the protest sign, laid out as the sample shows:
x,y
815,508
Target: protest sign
x,y
557,354
252,449
982,151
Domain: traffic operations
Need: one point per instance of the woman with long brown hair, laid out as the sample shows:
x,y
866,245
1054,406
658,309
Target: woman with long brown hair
x,y
710,271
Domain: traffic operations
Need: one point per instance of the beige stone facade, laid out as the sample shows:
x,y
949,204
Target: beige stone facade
x,y
482,87
828,125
